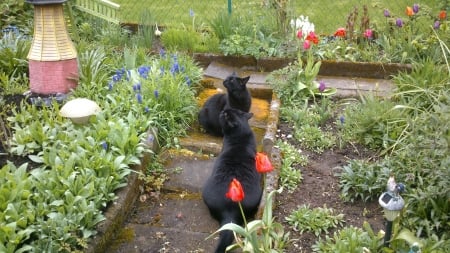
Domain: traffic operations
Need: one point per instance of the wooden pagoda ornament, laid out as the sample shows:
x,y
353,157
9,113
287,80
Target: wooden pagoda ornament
x,y
53,63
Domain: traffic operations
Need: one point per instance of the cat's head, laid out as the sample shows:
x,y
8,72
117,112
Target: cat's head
x,y
235,122
234,82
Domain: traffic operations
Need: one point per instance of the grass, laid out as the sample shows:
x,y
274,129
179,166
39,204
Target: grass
x,y
327,15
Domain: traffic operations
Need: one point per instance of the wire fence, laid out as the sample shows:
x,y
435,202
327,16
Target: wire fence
x,y
327,15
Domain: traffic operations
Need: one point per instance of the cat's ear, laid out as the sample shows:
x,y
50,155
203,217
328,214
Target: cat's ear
x,y
245,80
248,115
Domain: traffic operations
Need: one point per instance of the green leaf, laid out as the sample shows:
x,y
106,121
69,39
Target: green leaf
x,y
36,159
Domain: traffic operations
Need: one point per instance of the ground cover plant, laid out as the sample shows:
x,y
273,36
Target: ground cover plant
x,y
55,205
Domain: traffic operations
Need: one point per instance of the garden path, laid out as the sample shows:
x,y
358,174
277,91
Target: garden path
x,y
176,220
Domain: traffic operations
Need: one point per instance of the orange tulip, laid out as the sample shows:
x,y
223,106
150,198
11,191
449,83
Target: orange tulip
x,y
442,15
409,11
263,164
235,191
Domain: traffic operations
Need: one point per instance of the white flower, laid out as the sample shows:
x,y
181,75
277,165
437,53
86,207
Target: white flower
x,y
302,23
157,31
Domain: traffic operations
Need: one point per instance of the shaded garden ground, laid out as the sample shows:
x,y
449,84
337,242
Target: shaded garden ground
x,y
320,188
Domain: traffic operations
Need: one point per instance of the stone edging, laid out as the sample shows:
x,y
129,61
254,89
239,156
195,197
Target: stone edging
x,y
376,70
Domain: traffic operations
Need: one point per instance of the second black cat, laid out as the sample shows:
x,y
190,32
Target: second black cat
x,y
237,97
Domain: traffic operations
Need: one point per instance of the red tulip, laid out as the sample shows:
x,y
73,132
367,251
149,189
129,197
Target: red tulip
x,y
340,32
235,191
312,37
263,164
442,14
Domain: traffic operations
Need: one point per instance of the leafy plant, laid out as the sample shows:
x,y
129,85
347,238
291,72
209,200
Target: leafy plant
x,y
290,176
297,82
263,235
180,39
421,88
313,138
317,220
16,209
14,49
350,239
223,24
359,179
376,123
16,13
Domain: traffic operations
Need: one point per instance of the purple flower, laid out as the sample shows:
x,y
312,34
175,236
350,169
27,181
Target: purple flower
x,y
175,68
116,78
156,93
146,109
143,71
386,13
110,85
161,69
321,86
191,13
342,119
437,24
134,87
162,52
139,98
399,22
415,8
104,145
188,80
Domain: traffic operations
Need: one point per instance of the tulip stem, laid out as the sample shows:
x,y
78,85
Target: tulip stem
x,y
243,215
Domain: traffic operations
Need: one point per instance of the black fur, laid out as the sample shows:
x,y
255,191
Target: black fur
x,y
236,160
237,97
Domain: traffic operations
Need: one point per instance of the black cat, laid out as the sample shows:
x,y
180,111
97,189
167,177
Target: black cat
x,y
237,97
236,160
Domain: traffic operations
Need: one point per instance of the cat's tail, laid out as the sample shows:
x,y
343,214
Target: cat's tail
x,y
226,238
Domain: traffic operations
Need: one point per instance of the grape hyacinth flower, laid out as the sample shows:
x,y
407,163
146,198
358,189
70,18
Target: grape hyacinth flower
x,y
399,22
342,119
156,93
188,80
139,98
143,71
104,145
175,68
146,109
